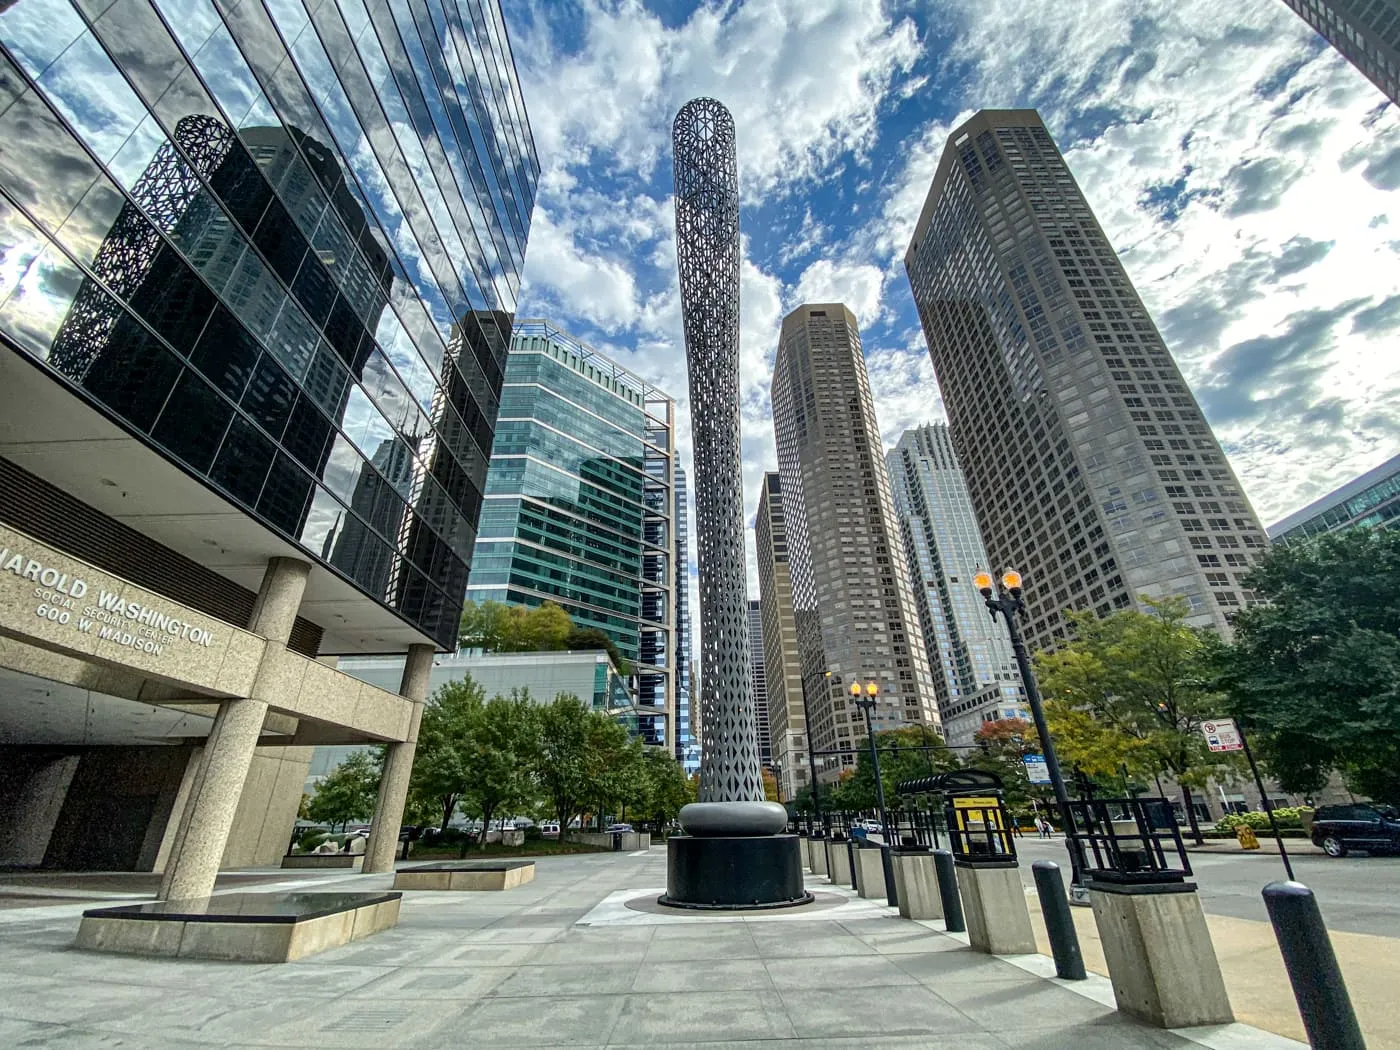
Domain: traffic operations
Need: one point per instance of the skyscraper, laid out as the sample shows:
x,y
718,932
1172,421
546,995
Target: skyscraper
x,y
579,506
1367,32
759,677
974,672
687,738
1088,461
787,726
852,601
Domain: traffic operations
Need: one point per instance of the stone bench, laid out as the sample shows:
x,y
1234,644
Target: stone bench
x,y
350,861
466,875
239,927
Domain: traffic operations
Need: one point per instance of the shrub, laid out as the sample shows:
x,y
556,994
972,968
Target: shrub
x,y
1287,817
533,833
310,840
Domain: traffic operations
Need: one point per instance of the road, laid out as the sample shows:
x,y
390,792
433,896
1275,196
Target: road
x,y
1358,894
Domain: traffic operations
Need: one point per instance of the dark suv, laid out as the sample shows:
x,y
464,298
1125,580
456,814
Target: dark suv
x,y
1371,827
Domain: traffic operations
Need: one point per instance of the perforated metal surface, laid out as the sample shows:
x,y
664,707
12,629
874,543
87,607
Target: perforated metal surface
x,y
707,243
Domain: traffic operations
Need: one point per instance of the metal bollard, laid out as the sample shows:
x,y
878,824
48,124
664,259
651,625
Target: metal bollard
x,y
1059,923
1312,968
851,857
891,893
953,920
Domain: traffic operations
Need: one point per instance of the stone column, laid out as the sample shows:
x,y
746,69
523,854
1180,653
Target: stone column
x,y
213,798
398,764
994,904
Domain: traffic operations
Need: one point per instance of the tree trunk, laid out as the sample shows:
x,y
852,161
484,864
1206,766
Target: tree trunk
x,y
1191,816
486,812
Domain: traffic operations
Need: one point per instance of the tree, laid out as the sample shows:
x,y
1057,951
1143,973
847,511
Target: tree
x,y
444,734
1315,673
561,763
668,788
500,756
1147,678
500,628
770,785
348,792
592,638
1003,747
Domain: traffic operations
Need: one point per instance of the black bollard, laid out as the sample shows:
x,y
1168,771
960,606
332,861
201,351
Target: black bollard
x,y
851,859
887,864
953,920
1312,968
1059,923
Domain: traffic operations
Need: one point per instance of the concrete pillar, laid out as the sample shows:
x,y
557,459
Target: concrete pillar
x,y
218,785
398,764
994,904
1159,953
916,882
32,809
872,873
818,856
838,862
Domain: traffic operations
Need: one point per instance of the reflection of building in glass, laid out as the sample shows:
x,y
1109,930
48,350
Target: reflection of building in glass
x,y
1371,500
358,551
1089,463
787,726
854,607
579,506
687,739
975,673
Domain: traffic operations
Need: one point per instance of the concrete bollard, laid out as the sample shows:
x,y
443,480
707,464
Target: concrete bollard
x,y
838,862
1159,953
871,872
818,846
998,921
916,883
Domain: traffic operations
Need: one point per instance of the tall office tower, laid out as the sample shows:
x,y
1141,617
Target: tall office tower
x,y
1088,461
759,677
261,266
787,723
1369,501
855,611
687,739
579,506
975,672
1366,32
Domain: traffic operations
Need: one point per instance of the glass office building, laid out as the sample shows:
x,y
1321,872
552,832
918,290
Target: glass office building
x,y
580,503
281,246
1369,501
687,740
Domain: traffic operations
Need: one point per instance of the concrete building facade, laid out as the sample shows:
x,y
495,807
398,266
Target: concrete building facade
x,y
974,670
1369,501
1366,32
580,506
249,373
854,607
758,675
782,663
1088,461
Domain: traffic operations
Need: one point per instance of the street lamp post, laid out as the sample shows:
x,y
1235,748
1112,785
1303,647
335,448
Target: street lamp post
x,y
867,704
1005,599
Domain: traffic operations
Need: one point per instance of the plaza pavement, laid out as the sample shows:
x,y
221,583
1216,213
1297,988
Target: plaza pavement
x,y
577,958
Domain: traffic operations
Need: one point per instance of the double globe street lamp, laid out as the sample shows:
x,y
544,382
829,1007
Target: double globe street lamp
x,y
867,704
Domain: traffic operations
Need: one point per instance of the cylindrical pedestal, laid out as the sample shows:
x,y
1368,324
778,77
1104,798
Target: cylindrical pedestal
x,y
1159,953
916,880
870,873
994,902
838,862
734,872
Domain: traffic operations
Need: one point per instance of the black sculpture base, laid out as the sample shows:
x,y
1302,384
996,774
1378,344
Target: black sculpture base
x,y
734,873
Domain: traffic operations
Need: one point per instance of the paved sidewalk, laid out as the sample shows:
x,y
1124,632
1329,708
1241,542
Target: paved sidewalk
x,y
580,958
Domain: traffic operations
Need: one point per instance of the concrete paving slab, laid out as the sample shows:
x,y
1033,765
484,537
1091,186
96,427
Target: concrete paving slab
x,y
906,1010
452,983
669,978
837,972
542,1021
652,1020
599,978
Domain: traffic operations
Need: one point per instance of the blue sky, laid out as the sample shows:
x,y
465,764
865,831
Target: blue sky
x,y
1243,170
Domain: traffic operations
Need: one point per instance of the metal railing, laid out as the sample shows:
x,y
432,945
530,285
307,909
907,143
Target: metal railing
x,y
1129,840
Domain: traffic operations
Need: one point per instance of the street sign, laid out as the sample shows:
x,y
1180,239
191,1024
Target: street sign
x,y
1037,772
975,802
1222,735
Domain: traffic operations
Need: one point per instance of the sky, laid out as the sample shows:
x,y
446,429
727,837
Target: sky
x,y
1243,170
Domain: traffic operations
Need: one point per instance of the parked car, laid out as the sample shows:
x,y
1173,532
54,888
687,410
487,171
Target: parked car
x,y
550,830
1365,826
618,827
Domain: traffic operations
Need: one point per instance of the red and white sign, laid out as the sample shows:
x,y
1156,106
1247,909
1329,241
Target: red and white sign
x,y
1222,735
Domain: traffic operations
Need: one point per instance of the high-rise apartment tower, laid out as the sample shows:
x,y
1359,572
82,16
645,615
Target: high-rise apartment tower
x,y
974,670
787,725
758,676
855,610
1366,32
1088,461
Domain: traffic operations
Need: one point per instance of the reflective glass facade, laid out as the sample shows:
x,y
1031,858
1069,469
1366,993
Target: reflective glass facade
x,y
282,244
687,740
579,505
1369,501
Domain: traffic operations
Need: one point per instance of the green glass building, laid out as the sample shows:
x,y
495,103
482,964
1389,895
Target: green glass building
x,y
579,507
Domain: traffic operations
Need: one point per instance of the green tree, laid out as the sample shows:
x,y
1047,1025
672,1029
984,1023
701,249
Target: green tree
x,y
500,628
1148,679
444,735
1003,746
593,638
608,761
348,792
500,756
668,788
561,768
908,753
1315,673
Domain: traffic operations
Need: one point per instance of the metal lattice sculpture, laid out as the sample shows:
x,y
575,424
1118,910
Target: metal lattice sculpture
x,y
707,246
